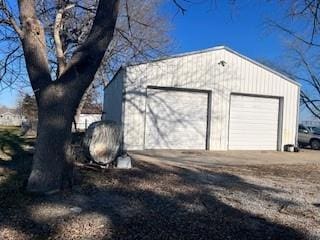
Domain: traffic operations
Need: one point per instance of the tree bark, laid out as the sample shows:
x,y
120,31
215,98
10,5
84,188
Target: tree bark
x,y
52,163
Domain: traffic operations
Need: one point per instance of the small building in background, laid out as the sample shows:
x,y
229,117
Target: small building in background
x,y
10,117
87,116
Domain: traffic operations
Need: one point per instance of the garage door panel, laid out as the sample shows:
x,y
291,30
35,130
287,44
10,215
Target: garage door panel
x,y
253,144
260,127
262,134
254,115
257,147
248,107
253,123
176,119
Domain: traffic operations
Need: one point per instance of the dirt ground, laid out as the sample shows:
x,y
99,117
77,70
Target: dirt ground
x,y
278,186
229,158
164,199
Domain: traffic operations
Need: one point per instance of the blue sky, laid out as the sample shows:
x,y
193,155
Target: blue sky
x,y
242,27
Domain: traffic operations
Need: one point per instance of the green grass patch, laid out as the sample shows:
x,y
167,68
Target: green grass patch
x,y
15,165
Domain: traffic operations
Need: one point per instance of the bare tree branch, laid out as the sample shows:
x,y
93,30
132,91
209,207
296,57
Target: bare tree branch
x,y
303,31
180,7
10,18
87,58
59,45
294,35
315,81
34,46
310,104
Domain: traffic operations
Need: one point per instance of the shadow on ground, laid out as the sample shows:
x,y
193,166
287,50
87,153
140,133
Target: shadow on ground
x,y
147,202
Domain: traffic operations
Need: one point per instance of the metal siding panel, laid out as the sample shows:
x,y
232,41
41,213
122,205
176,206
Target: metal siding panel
x,y
289,117
218,95
113,98
229,81
262,82
285,114
250,84
133,120
239,76
214,102
265,81
242,75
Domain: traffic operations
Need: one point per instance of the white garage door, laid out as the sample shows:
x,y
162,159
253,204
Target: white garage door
x,y
176,119
253,123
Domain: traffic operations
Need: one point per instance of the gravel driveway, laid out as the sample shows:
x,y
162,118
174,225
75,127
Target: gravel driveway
x,y
173,195
278,187
236,158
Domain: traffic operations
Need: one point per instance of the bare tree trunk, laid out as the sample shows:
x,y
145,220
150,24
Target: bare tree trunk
x,y
58,100
52,164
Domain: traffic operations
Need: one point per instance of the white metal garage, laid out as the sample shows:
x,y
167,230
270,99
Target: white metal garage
x,y
176,119
215,99
254,123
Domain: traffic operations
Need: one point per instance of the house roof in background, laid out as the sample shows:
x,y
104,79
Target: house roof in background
x,y
5,110
92,109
